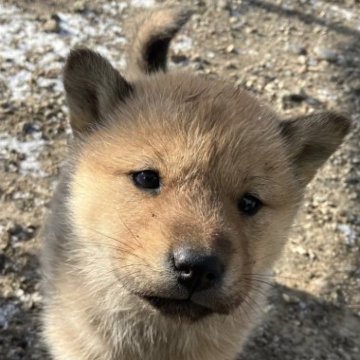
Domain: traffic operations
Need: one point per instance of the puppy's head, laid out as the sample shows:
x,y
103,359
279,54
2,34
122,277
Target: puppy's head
x,y
183,187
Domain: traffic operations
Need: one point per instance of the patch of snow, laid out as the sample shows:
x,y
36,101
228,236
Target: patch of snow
x,y
333,10
143,3
19,83
326,94
182,43
19,195
346,14
113,8
2,229
349,234
31,149
7,312
55,84
27,49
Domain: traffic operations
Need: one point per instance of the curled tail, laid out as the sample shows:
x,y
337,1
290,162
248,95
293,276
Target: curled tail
x,y
149,49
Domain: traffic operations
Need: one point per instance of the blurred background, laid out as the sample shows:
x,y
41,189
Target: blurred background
x,y
299,55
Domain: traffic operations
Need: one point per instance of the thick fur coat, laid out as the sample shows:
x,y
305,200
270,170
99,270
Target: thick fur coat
x,y
110,293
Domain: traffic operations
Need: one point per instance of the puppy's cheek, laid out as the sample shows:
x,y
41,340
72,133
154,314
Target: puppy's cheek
x,y
267,240
142,257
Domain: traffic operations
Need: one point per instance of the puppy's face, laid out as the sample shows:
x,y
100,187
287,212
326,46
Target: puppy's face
x,y
192,191
185,188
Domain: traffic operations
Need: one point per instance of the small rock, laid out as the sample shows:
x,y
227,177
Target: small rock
x,y
286,297
303,69
250,30
313,101
311,255
230,49
224,5
312,62
179,58
7,312
355,160
20,233
268,308
300,250
198,66
326,54
293,99
303,60
231,66
196,57
2,262
297,49
30,128
290,299
349,234
80,6
52,24
355,86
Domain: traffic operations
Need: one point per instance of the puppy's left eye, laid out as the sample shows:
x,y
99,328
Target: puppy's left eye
x,y
249,204
147,179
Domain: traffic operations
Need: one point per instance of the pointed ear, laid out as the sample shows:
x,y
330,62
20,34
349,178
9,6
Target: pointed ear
x,y
93,89
312,139
156,29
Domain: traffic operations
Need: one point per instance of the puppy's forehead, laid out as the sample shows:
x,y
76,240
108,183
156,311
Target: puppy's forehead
x,y
180,123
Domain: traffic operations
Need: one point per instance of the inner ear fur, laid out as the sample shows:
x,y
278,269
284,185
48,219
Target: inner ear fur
x,y
312,139
93,88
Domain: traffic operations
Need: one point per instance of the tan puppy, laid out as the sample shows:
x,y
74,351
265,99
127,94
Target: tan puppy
x,y
178,192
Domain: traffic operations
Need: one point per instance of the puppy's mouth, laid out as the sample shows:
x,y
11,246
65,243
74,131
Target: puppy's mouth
x,y
180,308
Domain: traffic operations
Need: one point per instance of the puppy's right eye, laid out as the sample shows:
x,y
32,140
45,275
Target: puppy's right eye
x,y
249,204
147,179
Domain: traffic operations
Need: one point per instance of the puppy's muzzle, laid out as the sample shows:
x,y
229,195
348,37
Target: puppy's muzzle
x,y
196,276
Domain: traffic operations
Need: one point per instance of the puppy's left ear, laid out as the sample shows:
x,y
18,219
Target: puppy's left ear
x,y
312,139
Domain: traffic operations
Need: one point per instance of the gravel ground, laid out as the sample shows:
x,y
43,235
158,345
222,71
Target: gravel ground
x,y
300,55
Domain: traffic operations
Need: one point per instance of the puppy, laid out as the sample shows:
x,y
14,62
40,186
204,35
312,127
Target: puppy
x,y
177,195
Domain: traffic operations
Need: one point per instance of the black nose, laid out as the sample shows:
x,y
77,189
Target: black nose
x,y
195,270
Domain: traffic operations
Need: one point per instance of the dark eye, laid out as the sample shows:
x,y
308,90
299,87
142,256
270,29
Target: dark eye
x,y
249,204
147,179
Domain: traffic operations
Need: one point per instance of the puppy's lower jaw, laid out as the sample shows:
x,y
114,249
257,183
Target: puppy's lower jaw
x,y
183,309
187,309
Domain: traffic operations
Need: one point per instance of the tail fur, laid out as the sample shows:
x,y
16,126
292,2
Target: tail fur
x,y
155,30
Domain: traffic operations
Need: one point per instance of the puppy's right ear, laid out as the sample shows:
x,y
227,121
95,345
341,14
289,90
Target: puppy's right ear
x,y
93,89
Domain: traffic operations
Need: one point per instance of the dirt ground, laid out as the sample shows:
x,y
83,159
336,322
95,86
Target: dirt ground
x,y
300,55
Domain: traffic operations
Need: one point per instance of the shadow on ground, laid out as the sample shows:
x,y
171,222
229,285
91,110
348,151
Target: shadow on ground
x,y
309,324
17,341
